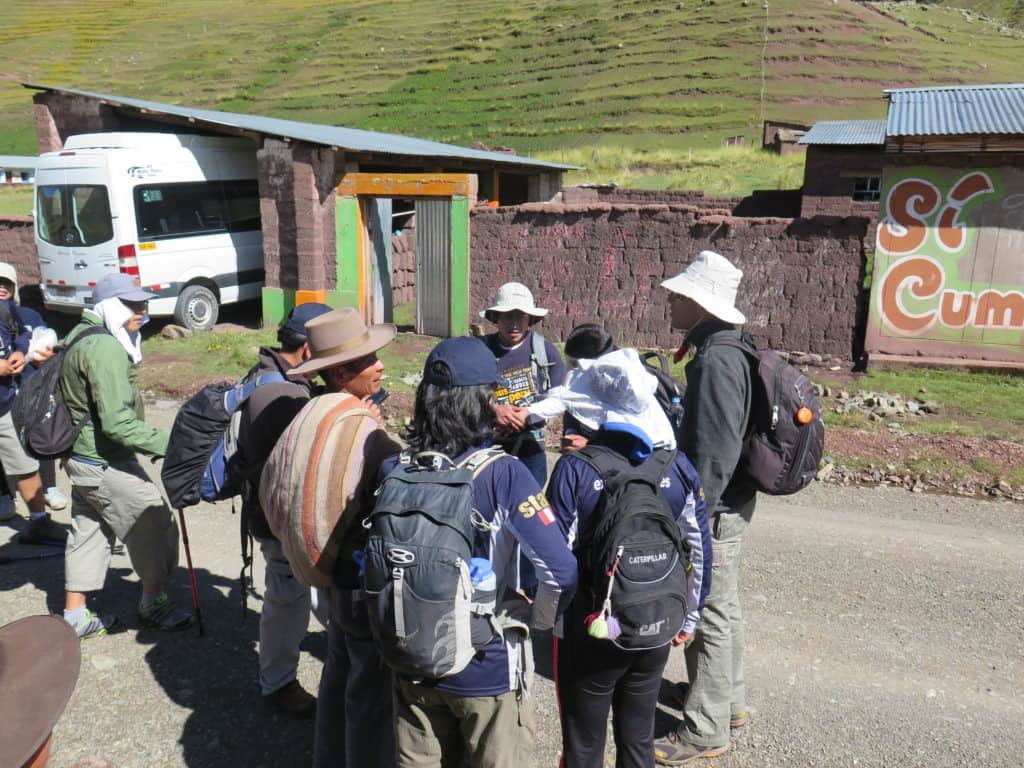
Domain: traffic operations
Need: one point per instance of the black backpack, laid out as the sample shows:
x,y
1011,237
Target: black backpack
x,y
786,436
42,422
427,617
202,461
632,558
670,392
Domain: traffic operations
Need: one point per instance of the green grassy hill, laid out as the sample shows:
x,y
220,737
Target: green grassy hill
x,y
535,75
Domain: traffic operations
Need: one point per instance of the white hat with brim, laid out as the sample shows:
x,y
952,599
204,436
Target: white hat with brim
x,y
511,297
341,336
712,281
8,272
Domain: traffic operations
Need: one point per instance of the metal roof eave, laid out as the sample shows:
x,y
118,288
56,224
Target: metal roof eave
x,y
349,139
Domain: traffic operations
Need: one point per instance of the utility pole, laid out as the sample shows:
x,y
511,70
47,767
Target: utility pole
x,y
764,53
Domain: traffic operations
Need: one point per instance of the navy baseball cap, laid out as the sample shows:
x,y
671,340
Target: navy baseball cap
x,y
302,314
121,286
461,362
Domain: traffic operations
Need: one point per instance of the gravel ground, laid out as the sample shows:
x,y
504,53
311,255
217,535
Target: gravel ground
x,y
883,628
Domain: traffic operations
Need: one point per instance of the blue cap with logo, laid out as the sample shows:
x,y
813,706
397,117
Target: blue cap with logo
x,y
302,314
117,285
461,362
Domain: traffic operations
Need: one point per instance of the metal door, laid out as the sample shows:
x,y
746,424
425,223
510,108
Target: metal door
x,y
381,305
433,267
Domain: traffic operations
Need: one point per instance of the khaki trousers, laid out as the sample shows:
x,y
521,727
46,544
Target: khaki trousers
x,y
117,502
440,730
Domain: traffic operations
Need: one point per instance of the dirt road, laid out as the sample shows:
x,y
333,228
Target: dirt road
x,y
883,628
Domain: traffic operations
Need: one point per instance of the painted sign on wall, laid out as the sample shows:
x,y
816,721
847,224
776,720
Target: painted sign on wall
x,y
948,276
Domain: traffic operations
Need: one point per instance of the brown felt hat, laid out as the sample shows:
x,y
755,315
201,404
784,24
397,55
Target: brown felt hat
x,y
340,336
39,662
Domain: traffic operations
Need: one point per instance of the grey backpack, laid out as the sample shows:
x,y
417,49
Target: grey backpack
x,y
426,616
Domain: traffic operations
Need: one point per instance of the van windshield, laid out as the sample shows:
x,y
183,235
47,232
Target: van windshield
x,y
73,215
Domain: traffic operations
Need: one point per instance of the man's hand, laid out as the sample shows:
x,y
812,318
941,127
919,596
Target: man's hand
x,y
17,362
373,408
511,417
681,639
572,443
42,355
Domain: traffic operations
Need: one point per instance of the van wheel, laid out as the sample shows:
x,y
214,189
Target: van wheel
x,y
197,308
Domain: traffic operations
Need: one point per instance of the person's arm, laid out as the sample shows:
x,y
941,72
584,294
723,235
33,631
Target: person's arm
x,y
717,405
557,371
106,369
21,341
533,523
694,528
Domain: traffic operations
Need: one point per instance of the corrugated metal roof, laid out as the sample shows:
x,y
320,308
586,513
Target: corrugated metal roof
x,y
956,110
18,161
852,132
352,139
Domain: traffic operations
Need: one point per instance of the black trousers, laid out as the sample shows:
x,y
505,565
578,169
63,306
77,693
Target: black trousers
x,y
594,676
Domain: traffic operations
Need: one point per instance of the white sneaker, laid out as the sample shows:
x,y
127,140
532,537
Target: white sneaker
x,y
7,511
55,499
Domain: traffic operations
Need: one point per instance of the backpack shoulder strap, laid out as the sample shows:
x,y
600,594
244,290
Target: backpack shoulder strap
x,y
539,361
478,461
234,397
646,358
94,330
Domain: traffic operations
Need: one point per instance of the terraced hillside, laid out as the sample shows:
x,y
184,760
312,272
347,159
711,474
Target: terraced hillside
x,y
535,74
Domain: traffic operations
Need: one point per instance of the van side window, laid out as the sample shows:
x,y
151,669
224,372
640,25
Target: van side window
x,y
73,215
179,210
196,208
242,205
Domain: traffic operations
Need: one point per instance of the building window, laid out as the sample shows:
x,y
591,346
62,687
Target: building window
x,y
867,188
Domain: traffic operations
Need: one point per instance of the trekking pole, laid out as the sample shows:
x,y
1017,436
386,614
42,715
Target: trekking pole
x,y
191,572
4,559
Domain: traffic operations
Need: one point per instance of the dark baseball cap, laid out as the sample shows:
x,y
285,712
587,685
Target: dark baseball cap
x,y
120,286
461,362
302,314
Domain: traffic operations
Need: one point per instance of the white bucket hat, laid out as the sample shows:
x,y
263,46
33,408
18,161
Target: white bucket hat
x,y
512,296
712,281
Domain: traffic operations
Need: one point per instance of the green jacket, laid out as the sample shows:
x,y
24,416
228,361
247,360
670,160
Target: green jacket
x,y
99,378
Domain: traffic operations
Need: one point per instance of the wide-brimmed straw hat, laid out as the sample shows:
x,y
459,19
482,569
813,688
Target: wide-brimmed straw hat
x,y
39,663
340,336
712,281
513,296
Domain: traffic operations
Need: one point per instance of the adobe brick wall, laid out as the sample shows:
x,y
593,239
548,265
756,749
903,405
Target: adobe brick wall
x,y
827,192
604,262
18,247
58,116
783,202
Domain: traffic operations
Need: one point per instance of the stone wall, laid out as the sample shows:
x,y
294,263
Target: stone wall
x,y
18,247
604,262
829,176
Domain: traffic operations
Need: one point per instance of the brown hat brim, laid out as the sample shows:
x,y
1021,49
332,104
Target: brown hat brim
x,y
377,337
40,658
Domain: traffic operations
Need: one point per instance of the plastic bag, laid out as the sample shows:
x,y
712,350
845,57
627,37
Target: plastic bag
x,y
42,339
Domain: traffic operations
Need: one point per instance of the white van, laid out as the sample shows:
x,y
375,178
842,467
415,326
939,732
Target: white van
x,y
180,211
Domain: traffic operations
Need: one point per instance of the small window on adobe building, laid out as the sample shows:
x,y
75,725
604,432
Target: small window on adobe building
x,y
867,188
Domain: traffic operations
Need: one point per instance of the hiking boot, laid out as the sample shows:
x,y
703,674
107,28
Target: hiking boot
x,y
95,625
55,499
738,720
293,700
43,532
7,510
672,750
165,615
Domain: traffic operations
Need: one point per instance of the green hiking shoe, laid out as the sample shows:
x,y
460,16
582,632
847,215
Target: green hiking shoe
x,y
672,750
95,625
165,615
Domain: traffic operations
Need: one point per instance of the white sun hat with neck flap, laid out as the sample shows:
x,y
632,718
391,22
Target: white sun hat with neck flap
x,y
712,281
512,296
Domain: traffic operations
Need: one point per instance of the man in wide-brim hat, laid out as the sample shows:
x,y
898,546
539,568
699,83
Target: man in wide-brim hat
x,y
354,722
717,406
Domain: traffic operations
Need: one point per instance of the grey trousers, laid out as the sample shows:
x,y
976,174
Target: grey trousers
x,y
117,502
714,659
284,619
354,722
434,729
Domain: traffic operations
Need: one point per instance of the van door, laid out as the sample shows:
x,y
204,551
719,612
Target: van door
x,y
75,232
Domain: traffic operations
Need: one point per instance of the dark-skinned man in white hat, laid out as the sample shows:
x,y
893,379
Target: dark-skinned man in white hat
x,y
717,407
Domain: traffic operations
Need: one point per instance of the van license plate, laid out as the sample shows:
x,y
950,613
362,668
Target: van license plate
x,y
62,291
